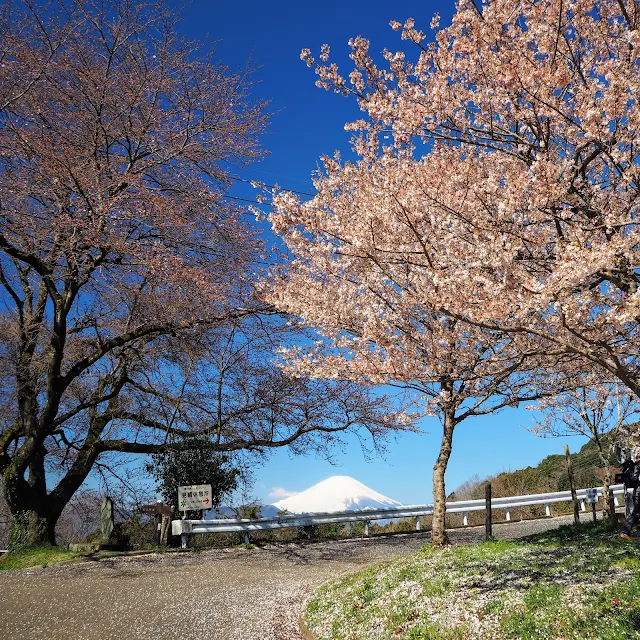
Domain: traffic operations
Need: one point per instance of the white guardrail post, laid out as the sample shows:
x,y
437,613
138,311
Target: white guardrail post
x,y
184,533
184,528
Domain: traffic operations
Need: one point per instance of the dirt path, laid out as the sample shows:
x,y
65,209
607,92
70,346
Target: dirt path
x,y
231,595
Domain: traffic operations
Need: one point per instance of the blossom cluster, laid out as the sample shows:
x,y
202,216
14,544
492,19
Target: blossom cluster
x,y
496,183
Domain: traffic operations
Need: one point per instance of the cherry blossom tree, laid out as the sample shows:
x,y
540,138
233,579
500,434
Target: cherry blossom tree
x,y
116,142
373,331
591,407
495,183
500,160
125,272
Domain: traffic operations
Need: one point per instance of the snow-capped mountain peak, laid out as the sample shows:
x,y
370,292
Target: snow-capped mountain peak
x,y
337,493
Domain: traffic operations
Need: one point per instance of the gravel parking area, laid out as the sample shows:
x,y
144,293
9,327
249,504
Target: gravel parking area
x,y
234,594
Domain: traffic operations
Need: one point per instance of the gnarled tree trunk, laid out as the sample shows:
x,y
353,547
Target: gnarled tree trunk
x,y
438,530
34,509
34,517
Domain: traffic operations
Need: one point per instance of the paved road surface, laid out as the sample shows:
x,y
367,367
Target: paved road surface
x,y
218,595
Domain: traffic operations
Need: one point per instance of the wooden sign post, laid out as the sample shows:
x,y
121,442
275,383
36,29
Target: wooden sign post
x,y
160,513
487,523
592,499
574,497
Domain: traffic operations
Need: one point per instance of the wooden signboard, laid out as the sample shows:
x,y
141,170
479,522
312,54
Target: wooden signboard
x,y
155,509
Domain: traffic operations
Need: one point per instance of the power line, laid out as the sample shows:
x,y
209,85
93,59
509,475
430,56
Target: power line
x,y
262,204
272,186
279,175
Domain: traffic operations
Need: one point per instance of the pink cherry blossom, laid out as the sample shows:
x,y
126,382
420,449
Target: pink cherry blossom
x,y
489,219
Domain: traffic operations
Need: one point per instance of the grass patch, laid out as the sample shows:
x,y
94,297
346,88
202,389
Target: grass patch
x,y
34,557
574,583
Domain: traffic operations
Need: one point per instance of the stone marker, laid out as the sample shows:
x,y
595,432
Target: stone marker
x,y
106,531
106,519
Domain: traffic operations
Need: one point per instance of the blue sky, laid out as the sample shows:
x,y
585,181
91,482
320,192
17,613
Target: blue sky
x,y
307,123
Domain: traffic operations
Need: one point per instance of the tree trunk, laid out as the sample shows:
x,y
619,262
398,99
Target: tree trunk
x,y
36,511
33,518
438,531
574,497
33,529
606,482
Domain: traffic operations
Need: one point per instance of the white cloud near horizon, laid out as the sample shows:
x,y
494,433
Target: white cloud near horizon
x,y
278,493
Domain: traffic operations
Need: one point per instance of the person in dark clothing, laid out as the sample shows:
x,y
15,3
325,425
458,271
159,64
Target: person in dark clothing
x,y
631,480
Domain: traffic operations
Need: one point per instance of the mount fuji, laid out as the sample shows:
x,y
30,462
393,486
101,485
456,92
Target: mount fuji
x,y
337,493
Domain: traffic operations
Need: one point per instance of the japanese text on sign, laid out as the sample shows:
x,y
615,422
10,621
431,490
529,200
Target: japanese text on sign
x,y
194,497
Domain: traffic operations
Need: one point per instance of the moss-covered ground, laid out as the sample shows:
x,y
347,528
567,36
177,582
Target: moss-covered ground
x,y
34,557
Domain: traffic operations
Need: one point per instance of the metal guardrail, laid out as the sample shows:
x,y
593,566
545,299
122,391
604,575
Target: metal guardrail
x,y
231,525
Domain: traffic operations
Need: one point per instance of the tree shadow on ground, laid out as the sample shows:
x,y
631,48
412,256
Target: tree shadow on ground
x,y
590,562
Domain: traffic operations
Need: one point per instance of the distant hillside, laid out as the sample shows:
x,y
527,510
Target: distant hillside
x,y
549,475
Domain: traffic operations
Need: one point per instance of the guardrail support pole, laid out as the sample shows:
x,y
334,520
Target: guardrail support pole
x,y
612,509
487,505
418,526
582,507
184,540
465,519
157,528
366,529
507,515
547,511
